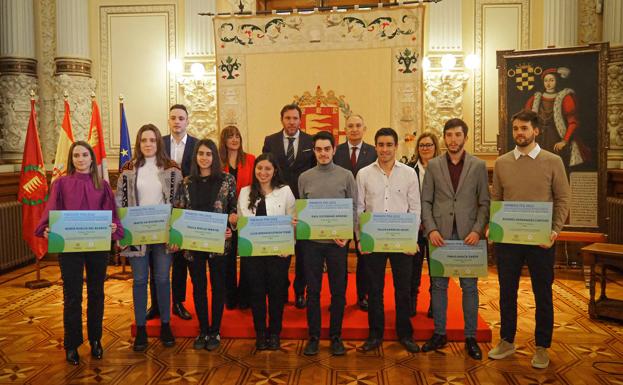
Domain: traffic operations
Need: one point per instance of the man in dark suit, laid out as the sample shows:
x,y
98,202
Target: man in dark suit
x,y
293,150
354,155
179,145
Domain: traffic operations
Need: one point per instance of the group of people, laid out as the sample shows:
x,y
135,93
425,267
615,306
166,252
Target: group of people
x,y
450,193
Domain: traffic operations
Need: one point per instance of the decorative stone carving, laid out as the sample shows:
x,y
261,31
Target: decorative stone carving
x,y
443,98
47,83
79,89
14,113
200,98
589,21
615,126
615,107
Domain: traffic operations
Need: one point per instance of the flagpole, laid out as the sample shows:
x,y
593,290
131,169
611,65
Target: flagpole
x,y
123,274
38,283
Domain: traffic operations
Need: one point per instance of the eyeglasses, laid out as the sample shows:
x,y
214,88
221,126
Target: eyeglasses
x,y
426,145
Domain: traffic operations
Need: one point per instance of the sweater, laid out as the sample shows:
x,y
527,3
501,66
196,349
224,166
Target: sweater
x,y
542,179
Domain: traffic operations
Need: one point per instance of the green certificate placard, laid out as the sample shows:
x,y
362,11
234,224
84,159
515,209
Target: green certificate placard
x,y
324,219
198,230
523,223
265,235
79,230
388,232
144,225
456,259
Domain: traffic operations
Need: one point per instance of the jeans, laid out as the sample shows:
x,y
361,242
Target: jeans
x,y
199,277
469,287
401,272
72,266
316,254
510,261
267,277
140,272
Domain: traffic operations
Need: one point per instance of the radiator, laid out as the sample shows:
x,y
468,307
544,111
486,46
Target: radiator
x,y
13,250
614,213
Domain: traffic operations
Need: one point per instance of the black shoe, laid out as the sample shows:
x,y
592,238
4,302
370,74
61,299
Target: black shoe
x,y
473,349
273,342
180,311
200,341
301,301
214,341
71,355
409,345
261,343
429,314
363,304
243,305
140,341
337,347
96,349
437,341
166,335
311,349
152,313
371,344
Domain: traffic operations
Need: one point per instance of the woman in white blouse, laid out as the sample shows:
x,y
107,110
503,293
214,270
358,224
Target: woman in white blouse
x,y
267,276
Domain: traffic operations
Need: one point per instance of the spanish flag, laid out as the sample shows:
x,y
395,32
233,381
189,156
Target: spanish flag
x,y
66,138
96,140
33,187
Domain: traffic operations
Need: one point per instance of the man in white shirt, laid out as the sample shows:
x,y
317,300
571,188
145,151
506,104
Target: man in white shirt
x,y
179,146
388,186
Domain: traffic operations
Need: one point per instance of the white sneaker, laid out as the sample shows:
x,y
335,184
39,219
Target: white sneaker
x,y
502,350
540,360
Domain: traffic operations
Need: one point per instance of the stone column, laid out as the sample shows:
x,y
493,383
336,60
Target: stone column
x,y
73,64
613,20
560,18
18,75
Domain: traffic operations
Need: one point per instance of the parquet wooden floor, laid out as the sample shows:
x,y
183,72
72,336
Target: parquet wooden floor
x,y
31,351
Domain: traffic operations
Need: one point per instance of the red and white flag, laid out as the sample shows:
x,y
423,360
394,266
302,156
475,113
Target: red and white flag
x,y
96,140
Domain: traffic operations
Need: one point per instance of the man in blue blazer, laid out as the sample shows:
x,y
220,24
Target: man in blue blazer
x,y
353,155
293,150
179,146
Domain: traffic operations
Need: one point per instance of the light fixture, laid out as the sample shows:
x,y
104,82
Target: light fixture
x,y
197,69
425,63
175,66
472,61
448,61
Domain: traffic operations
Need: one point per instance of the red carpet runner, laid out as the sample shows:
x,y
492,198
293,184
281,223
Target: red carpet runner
x,y
239,323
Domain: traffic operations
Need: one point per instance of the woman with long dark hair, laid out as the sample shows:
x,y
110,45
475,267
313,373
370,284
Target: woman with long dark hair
x,y
149,178
82,189
267,276
208,188
239,164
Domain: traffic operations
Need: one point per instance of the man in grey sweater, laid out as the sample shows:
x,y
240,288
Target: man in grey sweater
x,y
326,181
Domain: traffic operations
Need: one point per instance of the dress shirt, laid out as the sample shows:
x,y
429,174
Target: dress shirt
x,y
295,144
177,149
397,192
532,154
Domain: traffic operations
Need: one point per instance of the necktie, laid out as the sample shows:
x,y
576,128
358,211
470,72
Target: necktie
x,y
290,151
353,157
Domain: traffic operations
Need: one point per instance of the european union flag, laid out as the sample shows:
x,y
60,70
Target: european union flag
x,y
125,150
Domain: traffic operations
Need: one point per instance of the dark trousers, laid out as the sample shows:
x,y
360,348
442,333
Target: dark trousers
x,y
267,277
299,272
178,279
199,279
402,266
316,255
418,262
361,279
510,261
237,290
72,265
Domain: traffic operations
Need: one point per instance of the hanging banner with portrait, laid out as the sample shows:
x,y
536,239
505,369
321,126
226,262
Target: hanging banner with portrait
x,y
566,87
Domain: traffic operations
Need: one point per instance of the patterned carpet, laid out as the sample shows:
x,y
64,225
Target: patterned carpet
x,y
31,347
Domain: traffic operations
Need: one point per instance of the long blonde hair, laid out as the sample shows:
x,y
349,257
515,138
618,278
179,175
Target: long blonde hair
x,y
433,137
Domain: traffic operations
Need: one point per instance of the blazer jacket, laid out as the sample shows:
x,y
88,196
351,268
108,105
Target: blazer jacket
x,y
244,175
279,202
188,152
305,158
469,205
366,156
